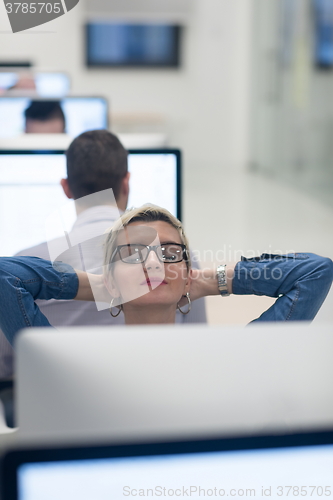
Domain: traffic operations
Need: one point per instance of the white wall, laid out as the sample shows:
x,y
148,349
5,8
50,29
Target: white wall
x,y
203,107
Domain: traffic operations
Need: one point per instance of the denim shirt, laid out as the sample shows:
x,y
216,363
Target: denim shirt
x,y
25,279
300,282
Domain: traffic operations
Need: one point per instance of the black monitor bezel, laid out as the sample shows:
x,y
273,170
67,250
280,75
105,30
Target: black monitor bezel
x,y
174,151
15,458
174,64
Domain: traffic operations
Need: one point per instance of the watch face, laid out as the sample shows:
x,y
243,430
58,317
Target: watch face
x,y
222,280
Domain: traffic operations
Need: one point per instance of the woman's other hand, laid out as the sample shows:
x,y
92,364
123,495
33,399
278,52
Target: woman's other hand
x,y
92,287
204,282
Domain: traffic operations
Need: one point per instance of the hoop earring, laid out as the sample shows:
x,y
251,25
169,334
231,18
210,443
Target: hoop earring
x,y
119,310
188,302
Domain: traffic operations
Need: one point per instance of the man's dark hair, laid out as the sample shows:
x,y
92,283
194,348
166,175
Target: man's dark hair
x,y
44,111
96,160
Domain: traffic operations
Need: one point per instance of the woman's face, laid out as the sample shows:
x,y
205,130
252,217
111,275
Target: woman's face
x,y
151,282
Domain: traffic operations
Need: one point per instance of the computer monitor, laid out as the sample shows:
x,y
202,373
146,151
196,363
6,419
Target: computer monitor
x,y
33,177
119,44
257,467
81,114
156,178
165,381
47,84
323,34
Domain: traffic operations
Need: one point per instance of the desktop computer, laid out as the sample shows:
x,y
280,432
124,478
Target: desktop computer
x,y
159,382
271,466
34,176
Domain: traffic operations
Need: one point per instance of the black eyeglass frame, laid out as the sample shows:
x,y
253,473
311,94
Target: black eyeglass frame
x,y
154,248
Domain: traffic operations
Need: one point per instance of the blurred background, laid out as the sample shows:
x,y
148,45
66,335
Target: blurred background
x,y
248,101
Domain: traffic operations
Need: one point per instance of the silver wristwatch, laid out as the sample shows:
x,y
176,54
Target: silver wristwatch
x,y
221,273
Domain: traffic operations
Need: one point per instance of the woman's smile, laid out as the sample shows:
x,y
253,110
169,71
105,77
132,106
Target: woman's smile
x,y
153,280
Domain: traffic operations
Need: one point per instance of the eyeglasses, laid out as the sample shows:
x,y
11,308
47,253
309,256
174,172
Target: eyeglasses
x,y
138,253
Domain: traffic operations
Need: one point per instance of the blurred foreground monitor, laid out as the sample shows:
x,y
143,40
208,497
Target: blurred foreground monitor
x,y
239,466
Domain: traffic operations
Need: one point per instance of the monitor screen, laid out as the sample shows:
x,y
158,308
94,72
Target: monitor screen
x,y
155,178
80,113
34,179
175,470
323,10
136,45
46,84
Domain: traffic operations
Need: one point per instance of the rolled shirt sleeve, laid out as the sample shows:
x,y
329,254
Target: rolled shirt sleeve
x,y
25,279
301,281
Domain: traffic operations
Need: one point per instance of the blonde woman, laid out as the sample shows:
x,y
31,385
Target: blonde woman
x,y
147,267
148,276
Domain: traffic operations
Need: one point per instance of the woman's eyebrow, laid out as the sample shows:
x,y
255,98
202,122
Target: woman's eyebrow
x,y
134,243
161,243
170,243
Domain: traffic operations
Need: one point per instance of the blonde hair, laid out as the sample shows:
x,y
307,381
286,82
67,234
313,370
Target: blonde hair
x,y
146,213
